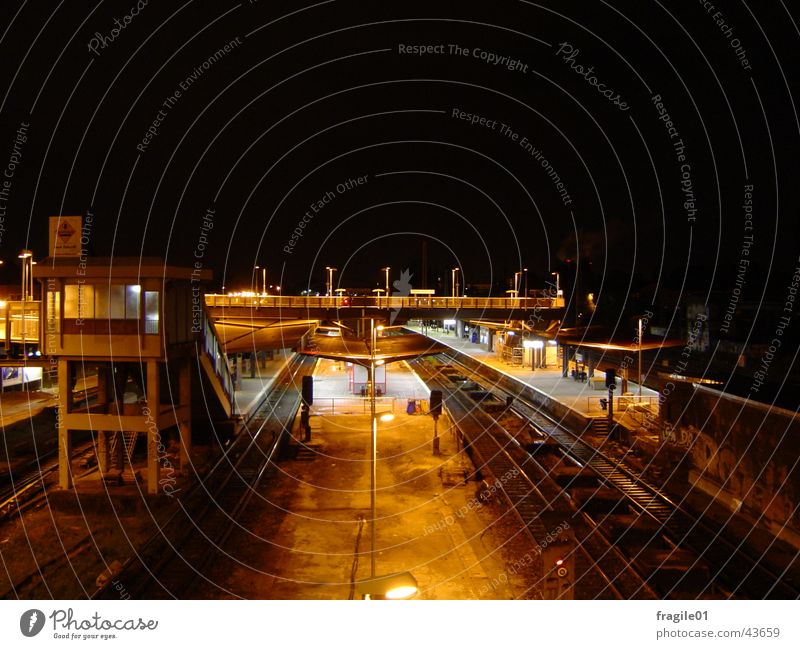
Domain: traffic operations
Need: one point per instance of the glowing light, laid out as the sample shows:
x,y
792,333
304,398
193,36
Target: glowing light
x,y
401,592
387,416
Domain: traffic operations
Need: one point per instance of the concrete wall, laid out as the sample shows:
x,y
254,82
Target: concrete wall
x,y
745,454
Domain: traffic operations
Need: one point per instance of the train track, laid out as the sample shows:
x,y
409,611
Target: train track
x,y
175,558
29,490
601,569
731,563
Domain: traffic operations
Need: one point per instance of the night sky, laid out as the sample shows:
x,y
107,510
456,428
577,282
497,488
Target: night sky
x,y
621,136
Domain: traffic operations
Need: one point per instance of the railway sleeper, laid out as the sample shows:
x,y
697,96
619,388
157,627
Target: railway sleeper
x,y
632,529
675,571
568,477
603,500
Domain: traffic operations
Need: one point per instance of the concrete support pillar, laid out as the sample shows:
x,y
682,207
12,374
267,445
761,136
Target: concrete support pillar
x,y
104,390
152,432
459,329
252,365
490,341
185,428
565,361
590,363
64,441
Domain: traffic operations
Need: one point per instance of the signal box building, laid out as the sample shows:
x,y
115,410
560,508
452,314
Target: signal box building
x,y
125,335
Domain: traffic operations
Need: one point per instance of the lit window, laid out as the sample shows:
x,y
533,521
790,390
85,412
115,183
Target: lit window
x,y
151,312
116,300
79,301
132,293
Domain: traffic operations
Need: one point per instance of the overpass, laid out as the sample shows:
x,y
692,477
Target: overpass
x,y
247,323
397,308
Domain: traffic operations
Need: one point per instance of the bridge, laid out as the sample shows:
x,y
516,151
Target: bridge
x,y
415,307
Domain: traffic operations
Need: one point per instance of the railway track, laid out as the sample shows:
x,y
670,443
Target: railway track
x,y
29,490
730,561
602,571
175,558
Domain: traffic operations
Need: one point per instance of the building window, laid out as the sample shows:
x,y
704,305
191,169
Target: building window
x,y
151,312
79,301
116,300
132,293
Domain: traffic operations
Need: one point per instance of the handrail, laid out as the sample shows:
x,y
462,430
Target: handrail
x,y
219,360
391,302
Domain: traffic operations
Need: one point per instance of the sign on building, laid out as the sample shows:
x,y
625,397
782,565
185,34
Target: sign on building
x,y
65,236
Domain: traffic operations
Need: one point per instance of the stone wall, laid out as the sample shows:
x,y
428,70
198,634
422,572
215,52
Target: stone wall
x,y
743,453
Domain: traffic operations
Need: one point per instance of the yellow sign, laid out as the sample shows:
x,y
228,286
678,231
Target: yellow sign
x,y
65,236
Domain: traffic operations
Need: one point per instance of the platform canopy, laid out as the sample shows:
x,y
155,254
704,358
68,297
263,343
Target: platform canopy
x,y
389,349
241,335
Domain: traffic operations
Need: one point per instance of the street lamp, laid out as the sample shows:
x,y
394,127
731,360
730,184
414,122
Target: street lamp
x,y
518,281
331,271
398,585
640,360
386,270
27,274
557,289
374,426
454,281
263,279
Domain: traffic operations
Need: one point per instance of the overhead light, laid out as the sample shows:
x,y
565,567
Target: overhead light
x,y
398,585
386,416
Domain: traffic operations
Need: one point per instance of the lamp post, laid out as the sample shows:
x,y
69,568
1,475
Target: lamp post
x,y
27,275
386,270
640,359
263,279
374,444
454,281
557,282
331,271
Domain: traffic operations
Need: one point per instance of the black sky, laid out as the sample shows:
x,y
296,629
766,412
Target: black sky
x,y
312,95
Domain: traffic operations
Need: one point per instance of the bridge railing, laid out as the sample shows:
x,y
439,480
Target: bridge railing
x,y
392,302
219,361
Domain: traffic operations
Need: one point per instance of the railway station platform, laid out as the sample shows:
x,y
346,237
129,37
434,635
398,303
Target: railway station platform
x,y
303,537
23,405
251,393
581,396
